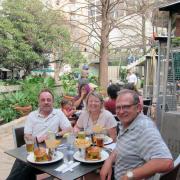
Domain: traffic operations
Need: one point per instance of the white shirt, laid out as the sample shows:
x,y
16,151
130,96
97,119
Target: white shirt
x,y
106,120
132,79
38,125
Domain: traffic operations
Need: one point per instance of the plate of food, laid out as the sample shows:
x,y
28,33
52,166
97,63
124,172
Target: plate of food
x,y
82,143
41,156
93,154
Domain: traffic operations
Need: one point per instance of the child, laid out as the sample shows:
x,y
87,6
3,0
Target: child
x,y
67,108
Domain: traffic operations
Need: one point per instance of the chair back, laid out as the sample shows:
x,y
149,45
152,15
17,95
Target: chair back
x,y
174,174
18,136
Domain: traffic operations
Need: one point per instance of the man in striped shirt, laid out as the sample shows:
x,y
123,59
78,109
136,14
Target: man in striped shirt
x,y
140,152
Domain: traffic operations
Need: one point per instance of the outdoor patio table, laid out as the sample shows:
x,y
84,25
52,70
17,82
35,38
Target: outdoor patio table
x,y
79,171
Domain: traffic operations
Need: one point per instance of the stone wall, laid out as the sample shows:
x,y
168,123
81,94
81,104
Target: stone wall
x,y
6,143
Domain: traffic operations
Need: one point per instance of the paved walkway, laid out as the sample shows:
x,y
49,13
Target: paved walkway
x,y
6,143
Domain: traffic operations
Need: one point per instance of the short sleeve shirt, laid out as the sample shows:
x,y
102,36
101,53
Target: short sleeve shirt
x,y
106,120
38,125
138,144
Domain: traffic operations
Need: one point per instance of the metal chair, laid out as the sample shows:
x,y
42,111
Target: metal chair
x,y
18,136
174,174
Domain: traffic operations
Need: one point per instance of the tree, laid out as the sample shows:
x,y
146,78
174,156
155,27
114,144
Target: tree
x,y
103,18
28,31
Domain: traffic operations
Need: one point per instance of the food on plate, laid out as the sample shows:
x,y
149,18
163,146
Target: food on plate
x,y
81,135
98,128
40,154
93,153
82,143
52,143
66,135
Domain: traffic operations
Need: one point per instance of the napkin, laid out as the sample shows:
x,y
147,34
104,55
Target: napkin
x,y
71,167
64,166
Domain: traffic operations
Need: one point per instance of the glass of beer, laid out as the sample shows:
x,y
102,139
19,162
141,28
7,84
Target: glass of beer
x,y
99,141
29,140
81,135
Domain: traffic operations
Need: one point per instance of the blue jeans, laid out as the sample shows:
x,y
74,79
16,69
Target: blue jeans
x,y
21,171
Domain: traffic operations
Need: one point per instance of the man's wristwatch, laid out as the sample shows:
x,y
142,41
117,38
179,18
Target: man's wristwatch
x,y
130,175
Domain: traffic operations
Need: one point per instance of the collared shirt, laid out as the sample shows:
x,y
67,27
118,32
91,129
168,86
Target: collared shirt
x,y
38,125
138,144
106,120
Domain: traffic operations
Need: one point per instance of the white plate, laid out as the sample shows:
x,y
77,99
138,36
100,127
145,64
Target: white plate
x,y
104,156
107,140
59,156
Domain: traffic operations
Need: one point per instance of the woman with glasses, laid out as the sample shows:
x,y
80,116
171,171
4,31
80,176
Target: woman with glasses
x,y
95,114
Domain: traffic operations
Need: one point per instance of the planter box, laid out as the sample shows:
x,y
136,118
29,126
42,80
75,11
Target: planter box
x,y
24,110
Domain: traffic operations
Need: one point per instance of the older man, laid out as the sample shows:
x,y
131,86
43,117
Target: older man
x,y
38,124
140,152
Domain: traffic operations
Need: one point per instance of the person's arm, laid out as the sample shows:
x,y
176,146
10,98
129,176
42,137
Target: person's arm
x,y
76,128
106,170
79,123
112,132
78,101
64,125
68,114
150,168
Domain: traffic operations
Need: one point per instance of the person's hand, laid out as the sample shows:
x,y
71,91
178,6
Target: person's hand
x,y
83,93
106,170
42,138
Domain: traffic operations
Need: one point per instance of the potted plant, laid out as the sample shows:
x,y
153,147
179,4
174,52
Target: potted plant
x,y
21,103
69,86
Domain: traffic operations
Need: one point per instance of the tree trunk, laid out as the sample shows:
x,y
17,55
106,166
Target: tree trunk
x,y
104,56
144,34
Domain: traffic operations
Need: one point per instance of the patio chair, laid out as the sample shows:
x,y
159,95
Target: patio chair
x,y
174,174
18,136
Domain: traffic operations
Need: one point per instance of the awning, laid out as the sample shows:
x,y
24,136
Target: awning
x,y
4,69
173,7
43,70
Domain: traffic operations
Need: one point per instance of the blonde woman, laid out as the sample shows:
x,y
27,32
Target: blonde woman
x,y
95,114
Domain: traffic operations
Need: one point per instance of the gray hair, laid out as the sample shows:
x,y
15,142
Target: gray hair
x,y
132,92
97,95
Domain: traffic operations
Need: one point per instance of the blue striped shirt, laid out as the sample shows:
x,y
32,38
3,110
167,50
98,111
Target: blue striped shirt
x,y
137,144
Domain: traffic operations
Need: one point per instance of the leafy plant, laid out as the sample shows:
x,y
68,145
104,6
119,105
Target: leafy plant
x,y
31,87
176,41
69,84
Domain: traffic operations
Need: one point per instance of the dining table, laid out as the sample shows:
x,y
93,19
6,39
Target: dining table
x,y
79,171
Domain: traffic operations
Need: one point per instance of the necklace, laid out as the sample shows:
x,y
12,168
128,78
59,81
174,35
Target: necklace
x,y
95,119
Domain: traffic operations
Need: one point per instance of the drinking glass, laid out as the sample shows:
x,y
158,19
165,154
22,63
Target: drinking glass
x,y
99,140
29,140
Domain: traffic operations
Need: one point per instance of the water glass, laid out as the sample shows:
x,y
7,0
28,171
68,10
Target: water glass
x,y
68,154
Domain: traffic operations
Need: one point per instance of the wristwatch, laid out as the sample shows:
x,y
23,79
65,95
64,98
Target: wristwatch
x,y
130,175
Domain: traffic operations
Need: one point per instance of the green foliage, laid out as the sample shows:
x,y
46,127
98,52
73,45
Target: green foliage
x,y
31,87
122,74
69,84
176,41
7,113
28,31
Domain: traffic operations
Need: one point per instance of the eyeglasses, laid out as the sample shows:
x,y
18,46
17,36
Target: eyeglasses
x,y
125,107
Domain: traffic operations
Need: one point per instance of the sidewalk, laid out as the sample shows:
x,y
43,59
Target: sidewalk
x,y
6,143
